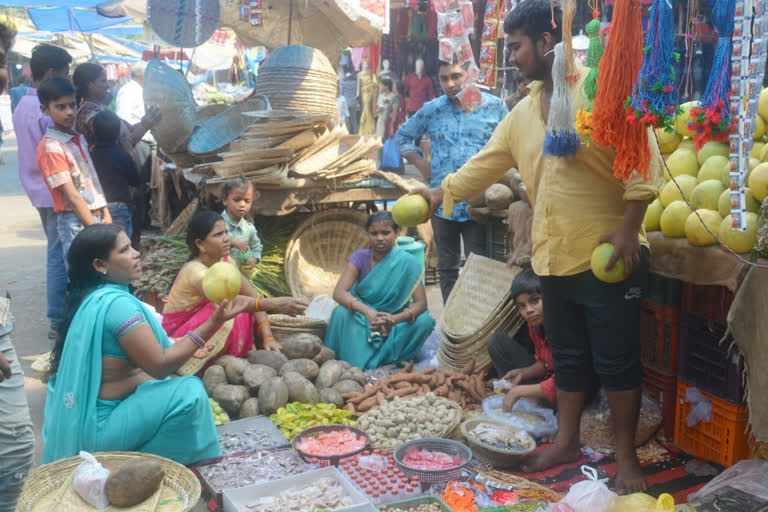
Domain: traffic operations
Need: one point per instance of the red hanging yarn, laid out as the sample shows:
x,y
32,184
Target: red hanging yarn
x,y
619,66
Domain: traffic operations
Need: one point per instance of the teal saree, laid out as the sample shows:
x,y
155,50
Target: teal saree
x,y
389,288
170,417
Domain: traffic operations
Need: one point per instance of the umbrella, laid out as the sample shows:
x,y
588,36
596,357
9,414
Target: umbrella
x,y
328,25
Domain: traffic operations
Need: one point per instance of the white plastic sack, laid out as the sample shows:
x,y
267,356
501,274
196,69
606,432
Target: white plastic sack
x,y
701,410
492,407
89,481
320,308
750,476
590,495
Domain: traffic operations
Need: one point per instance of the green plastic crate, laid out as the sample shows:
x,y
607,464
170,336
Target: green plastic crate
x,y
414,503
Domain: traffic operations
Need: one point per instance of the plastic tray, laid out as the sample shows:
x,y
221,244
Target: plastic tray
x,y
233,500
708,363
262,423
414,503
723,440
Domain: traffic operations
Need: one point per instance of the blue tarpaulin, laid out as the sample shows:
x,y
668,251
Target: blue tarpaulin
x,y
70,19
50,3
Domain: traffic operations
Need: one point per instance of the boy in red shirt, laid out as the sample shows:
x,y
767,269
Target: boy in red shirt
x,y
66,166
526,292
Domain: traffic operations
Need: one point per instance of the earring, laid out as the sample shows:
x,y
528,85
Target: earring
x,y
105,272
202,250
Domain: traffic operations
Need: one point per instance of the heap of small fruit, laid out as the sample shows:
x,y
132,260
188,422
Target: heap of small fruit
x,y
220,416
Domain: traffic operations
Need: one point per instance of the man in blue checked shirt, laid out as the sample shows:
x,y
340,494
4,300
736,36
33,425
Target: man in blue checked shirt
x,y
456,135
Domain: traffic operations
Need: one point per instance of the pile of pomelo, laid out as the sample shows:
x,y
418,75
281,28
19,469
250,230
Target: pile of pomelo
x,y
702,177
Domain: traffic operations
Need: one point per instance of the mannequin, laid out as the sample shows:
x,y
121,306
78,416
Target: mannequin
x,y
368,92
419,88
348,88
385,71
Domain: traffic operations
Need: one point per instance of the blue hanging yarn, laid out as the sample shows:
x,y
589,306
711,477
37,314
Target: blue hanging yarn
x,y
654,100
561,138
712,118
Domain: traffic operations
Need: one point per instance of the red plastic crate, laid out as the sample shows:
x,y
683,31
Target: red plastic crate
x,y
660,336
724,440
662,387
712,302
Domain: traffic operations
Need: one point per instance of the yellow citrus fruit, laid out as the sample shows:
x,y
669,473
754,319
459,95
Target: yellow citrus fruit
x,y
758,182
410,210
653,215
683,161
706,194
695,231
671,192
673,219
724,202
221,282
601,255
739,241
712,168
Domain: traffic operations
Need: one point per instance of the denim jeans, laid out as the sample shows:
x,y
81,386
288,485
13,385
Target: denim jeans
x,y
68,226
56,271
448,236
17,437
121,216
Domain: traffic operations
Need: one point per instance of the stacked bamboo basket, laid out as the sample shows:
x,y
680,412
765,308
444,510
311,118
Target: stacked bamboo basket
x,y
299,78
479,306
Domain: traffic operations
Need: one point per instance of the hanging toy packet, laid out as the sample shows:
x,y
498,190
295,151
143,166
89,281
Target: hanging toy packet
x,y
590,495
89,481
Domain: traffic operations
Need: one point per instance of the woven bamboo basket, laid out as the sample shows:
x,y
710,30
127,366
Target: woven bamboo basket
x,y
217,132
285,326
167,89
495,457
184,23
318,250
206,112
299,78
48,487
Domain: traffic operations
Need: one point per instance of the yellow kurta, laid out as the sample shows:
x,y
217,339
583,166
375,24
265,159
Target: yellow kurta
x,y
575,200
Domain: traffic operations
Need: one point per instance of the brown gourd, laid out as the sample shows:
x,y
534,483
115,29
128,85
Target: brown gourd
x,y
134,481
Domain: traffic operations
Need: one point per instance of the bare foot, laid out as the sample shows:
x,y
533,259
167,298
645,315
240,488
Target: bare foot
x,y
629,476
555,455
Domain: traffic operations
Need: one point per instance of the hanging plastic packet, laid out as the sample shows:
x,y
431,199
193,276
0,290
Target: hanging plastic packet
x,y
464,51
473,74
471,98
89,481
443,6
468,17
450,25
446,50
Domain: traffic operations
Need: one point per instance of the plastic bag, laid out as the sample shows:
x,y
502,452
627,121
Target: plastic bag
x,y
701,410
89,481
640,502
320,308
536,420
427,356
390,155
590,495
750,476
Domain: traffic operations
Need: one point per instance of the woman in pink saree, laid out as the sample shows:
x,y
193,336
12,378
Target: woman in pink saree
x,y
187,307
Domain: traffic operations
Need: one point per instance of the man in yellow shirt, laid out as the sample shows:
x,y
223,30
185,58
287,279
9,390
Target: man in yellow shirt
x,y
592,326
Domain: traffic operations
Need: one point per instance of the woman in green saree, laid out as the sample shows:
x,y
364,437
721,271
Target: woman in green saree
x,y
110,386
382,315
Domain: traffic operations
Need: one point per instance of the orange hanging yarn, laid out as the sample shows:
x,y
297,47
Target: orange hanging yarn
x,y
619,66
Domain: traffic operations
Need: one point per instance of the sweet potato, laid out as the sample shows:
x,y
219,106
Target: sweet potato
x,y
367,404
403,385
234,370
467,370
299,388
230,397
331,396
213,376
274,360
409,367
273,395
249,408
256,375
324,356
134,481
306,367
429,371
301,346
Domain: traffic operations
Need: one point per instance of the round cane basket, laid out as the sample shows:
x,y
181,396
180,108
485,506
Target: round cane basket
x,y
284,326
496,457
167,89
429,477
300,79
327,460
49,487
391,445
319,249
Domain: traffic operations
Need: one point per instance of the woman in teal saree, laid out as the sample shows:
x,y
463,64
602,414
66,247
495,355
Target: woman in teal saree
x,y
110,386
382,315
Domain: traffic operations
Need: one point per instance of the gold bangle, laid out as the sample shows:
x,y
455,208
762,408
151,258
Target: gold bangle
x,y
269,339
262,324
256,306
349,306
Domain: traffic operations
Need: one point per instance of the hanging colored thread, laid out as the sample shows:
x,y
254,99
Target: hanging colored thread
x,y
561,139
459,498
569,11
654,101
594,54
711,120
618,69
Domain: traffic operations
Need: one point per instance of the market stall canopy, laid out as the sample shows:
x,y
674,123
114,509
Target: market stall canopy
x,y
70,19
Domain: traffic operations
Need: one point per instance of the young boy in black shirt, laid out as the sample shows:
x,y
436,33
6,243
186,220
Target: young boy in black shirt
x,y
116,169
